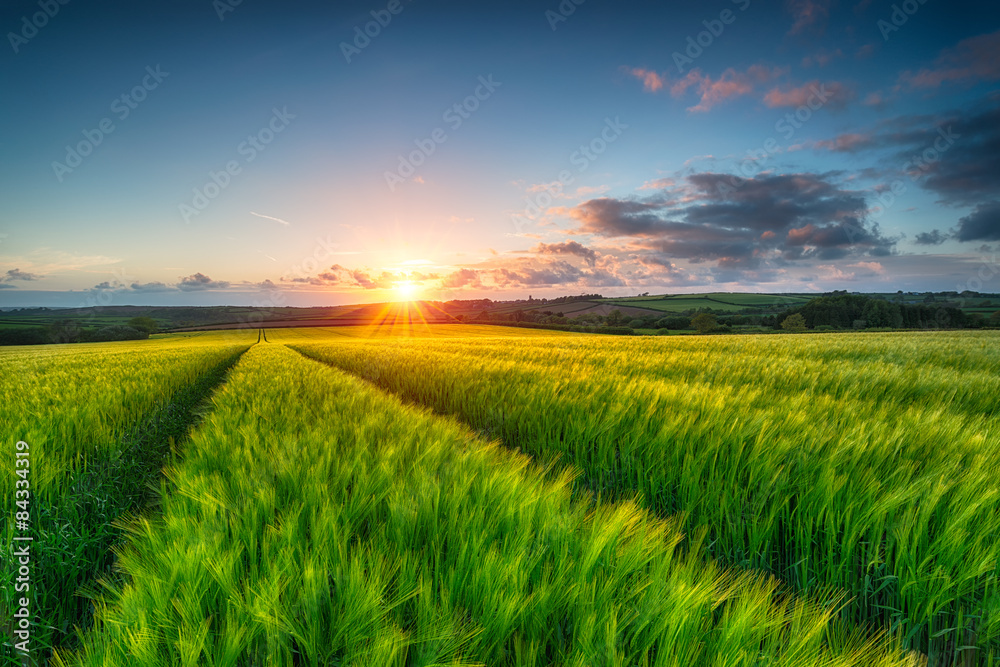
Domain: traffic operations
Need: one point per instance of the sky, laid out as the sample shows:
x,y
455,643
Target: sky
x,y
301,153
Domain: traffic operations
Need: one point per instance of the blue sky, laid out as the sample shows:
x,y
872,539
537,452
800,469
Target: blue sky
x,y
263,153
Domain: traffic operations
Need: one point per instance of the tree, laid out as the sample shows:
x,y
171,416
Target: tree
x,y
794,323
117,332
64,331
615,318
674,322
147,324
995,318
703,322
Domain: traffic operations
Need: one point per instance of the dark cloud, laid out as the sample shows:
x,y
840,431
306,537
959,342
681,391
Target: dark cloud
x,y
617,217
970,61
744,223
18,274
965,171
934,237
983,224
7,286
199,281
567,248
771,202
954,154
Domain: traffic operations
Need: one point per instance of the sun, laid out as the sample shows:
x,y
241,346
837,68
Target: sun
x,y
406,289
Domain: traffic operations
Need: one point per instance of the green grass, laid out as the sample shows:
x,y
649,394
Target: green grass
x,y
688,500
861,461
99,420
314,520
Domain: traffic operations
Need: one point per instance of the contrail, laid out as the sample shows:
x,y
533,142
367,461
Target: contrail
x,y
278,220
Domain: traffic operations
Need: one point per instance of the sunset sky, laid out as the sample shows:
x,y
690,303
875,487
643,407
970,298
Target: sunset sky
x,y
264,153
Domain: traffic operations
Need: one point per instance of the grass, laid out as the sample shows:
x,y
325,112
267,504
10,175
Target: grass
x,y
864,462
669,500
99,421
312,519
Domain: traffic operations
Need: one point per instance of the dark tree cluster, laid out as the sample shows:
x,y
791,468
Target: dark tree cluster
x,y
854,311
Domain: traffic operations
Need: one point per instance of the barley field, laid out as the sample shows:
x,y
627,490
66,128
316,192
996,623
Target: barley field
x,y
460,495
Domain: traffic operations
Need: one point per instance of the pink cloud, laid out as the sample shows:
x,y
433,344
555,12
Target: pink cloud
x,y
971,60
730,84
812,93
823,58
651,81
875,99
808,14
845,143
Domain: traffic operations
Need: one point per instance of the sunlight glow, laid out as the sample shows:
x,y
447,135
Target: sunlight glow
x,y
406,289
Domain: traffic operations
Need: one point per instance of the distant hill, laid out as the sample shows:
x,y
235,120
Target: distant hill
x,y
188,318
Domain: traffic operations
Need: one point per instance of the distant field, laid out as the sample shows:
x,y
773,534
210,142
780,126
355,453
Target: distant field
x,y
716,301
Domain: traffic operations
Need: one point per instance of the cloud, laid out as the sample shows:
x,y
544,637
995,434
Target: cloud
x,y
967,167
199,281
567,248
611,217
46,261
364,278
341,276
267,217
934,237
970,61
18,274
866,50
658,184
955,154
875,99
462,278
729,85
7,286
849,142
711,91
813,94
746,224
822,58
983,224
808,14
151,287
651,81
522,273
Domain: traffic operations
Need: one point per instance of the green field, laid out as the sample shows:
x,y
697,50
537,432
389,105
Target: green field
x,y
475,495
727,302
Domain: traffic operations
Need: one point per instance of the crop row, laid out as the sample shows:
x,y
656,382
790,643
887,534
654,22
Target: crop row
x,y
313,519
98,421
861,462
